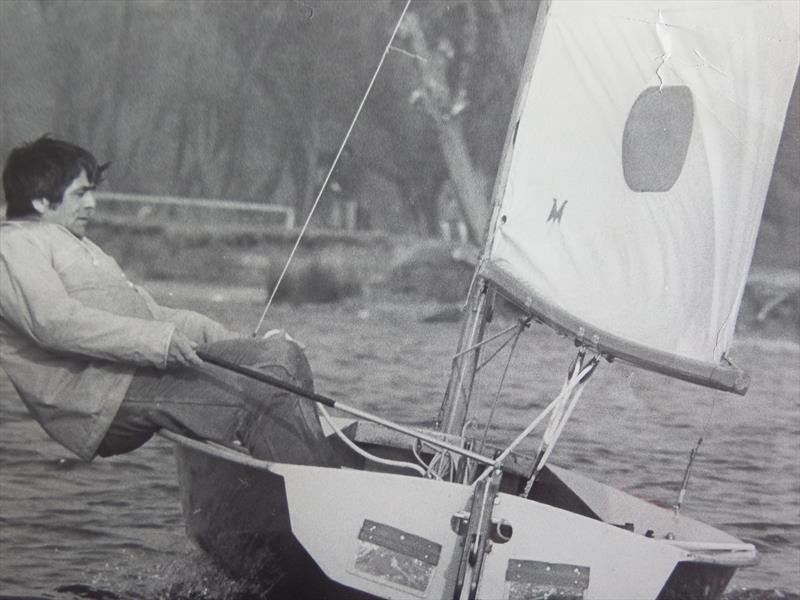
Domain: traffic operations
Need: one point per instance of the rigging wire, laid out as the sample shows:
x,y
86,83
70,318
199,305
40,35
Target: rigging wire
x,y
692,456
522,324
486,341
489,420
685,482
332,167
459,355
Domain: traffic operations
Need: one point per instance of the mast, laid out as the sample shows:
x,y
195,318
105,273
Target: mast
x,y
454,410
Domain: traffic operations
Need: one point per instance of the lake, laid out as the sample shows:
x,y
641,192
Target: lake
x,y
113,528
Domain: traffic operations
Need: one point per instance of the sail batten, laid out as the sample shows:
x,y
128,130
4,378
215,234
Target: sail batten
x,y
631,195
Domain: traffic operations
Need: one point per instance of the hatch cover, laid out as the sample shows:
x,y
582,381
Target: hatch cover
x,y
390,555
535,580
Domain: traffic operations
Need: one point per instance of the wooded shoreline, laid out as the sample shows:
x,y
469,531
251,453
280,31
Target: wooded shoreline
x,y
338,265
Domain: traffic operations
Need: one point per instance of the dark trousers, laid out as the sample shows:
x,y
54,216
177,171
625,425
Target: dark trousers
x,y
211,403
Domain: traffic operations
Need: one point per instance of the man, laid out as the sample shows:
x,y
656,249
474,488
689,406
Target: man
x,y
102,366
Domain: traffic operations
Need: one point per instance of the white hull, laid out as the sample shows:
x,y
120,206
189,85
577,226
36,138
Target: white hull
x,y
364,533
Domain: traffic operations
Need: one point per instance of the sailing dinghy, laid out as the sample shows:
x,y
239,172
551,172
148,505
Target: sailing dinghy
x,y
624,216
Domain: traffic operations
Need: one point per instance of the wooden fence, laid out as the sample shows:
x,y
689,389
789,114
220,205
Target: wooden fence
x,y
141,208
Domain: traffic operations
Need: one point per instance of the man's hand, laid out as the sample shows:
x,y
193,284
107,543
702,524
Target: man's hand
x,y
181,351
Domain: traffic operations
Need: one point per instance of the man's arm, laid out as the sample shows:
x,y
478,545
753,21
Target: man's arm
x,y
34,301
195,326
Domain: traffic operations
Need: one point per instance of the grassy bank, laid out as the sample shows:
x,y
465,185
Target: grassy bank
x,y
327,268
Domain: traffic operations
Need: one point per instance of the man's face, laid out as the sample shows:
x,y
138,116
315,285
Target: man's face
x,y
76,208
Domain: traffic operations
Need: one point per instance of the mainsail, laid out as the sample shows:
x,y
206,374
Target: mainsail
x,y
636,172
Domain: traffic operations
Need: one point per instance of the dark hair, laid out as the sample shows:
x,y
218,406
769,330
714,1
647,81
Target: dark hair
x,y
44,169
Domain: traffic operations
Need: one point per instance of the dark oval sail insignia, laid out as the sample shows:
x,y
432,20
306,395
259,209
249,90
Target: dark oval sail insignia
x,y
656,138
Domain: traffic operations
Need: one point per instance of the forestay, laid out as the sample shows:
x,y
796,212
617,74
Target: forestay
x,y
634,183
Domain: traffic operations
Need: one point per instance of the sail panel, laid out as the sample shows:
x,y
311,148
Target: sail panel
x,y
639,168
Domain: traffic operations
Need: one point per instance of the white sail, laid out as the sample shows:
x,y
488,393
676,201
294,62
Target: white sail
x,y
634,186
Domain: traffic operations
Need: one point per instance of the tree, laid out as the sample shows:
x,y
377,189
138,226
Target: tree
x,y
454,48
321,63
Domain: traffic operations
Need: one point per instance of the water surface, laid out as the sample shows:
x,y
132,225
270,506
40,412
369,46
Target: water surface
x,y
113,528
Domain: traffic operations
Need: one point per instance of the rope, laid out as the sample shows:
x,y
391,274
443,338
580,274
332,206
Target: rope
x,y
571,393
365,454
552,433
568,400
332,167
576,376
416,448
525,432
438,469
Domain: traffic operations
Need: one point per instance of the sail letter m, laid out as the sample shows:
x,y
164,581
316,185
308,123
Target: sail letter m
x,y
556,212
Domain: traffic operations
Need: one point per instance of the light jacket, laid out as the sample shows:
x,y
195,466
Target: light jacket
x,y
73,329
